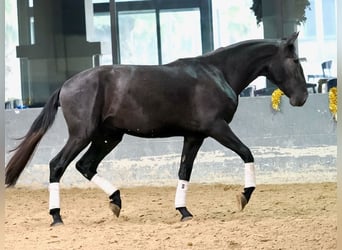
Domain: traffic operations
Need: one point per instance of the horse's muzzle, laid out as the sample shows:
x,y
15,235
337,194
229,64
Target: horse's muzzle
x,y
299,100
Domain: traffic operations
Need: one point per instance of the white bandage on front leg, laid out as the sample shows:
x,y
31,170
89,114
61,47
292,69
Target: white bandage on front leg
x,y
250,175
105,185
182,188
54,199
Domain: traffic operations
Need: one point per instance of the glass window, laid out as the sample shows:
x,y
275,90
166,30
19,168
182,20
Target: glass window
x,y
32,37
317,38
101,1
176,40
160,31
137,37
12,65
146,30
102,32
308,29
329,18
234,21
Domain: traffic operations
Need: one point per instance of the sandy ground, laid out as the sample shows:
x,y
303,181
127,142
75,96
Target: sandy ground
x,y
301,216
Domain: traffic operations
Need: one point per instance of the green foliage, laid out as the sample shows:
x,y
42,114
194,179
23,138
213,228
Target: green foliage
x,y
300,7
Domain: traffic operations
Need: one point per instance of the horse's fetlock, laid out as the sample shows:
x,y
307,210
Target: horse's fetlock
x,y
116,199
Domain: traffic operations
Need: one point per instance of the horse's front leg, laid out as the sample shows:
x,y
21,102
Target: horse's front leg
x,y
190,148
223,134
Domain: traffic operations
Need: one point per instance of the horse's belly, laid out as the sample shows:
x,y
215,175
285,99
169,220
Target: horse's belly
x,y
155,124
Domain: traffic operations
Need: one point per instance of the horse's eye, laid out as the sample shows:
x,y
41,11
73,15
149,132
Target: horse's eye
x,y
296,60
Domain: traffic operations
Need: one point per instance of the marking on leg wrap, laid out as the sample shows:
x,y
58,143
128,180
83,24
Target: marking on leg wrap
x,y
250,175
105,185
182,188
54,198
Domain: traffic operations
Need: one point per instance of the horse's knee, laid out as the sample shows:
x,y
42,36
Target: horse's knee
x,y
85,170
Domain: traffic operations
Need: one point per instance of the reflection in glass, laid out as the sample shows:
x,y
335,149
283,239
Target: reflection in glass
x,y
32,35
329,20
180,33
137,37
102,33
233,21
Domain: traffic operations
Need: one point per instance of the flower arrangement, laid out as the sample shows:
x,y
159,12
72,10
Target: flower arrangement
x,y
333,102
276,98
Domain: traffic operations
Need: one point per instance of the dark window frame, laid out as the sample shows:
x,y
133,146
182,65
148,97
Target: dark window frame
x,y
204,7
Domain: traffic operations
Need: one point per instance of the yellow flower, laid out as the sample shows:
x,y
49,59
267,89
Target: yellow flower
x,y
276,97
333,102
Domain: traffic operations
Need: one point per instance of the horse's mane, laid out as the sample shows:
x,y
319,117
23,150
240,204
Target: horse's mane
x,y
244,44
221,52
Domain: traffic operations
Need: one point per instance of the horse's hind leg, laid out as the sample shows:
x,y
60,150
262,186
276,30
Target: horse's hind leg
x,y
223,134
89,162
190,148
58,166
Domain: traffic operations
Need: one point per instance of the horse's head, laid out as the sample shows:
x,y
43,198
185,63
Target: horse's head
x,y
285,71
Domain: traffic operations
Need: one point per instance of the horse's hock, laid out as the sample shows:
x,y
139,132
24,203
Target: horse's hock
x,y
290,146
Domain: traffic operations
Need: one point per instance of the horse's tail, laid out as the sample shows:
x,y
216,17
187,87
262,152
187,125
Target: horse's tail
x,y
26,148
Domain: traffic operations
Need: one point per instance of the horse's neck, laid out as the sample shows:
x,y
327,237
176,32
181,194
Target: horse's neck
x,y
243,63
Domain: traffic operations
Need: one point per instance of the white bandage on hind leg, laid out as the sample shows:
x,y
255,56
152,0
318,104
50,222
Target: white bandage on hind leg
x,y
105,185
54,200
249,175
182,188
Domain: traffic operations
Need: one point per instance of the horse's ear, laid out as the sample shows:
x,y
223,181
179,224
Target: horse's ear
x,y
291,39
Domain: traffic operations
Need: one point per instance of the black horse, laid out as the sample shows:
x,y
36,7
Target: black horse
x,y
192,97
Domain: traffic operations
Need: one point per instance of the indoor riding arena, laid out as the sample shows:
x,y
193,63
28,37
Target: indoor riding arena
x,y
274,62
293,207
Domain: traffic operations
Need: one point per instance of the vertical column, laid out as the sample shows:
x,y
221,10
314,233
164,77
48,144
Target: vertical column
x,y
278,19
114,32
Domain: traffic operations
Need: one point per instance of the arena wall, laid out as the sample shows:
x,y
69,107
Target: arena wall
x,y
294,145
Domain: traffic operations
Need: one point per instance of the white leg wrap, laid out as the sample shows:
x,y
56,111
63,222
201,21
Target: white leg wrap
x,y
182,188
249,175
54,199
105,185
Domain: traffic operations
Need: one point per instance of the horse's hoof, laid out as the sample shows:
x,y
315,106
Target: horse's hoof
x,y
186,215
56,217
186,218
56,223
115,209
241,201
